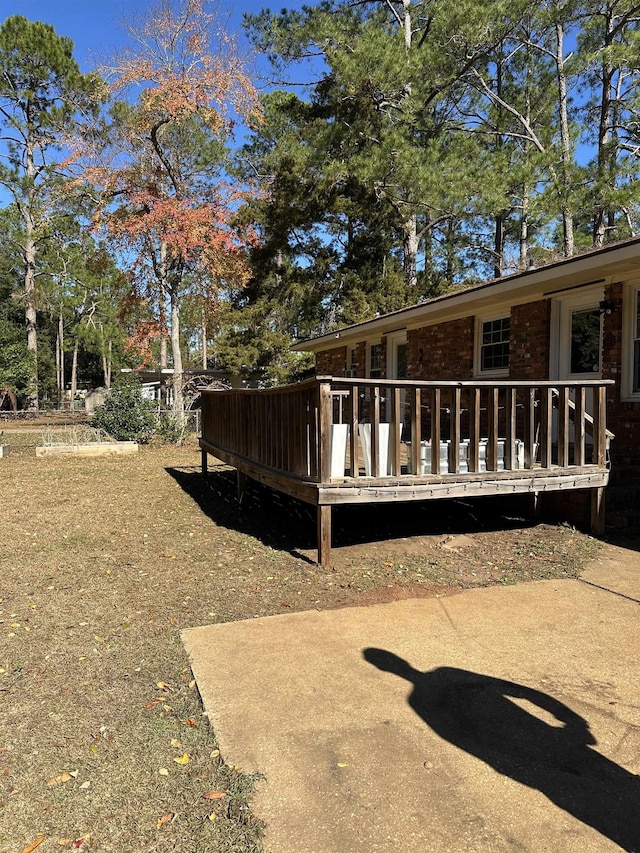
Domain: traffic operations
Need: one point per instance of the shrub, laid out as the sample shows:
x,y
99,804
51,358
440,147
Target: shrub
x,y
170,430
125,414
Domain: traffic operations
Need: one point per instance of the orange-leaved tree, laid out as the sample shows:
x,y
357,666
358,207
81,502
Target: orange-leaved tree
x,y
158,160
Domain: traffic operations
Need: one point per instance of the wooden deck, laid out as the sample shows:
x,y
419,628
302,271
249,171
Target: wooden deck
x,y
334,440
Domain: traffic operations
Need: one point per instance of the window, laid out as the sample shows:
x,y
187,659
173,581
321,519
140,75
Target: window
x,y
586,330
352,365
494,344
375,361
401,361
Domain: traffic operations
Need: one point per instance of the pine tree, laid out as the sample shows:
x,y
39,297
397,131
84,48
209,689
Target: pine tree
x,y
41,93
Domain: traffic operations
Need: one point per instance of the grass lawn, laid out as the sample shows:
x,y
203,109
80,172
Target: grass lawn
x,y
103,743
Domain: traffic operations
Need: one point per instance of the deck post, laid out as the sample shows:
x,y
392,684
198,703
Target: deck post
x,y
241,484
324,428
324,535
536,505
205,469
597,511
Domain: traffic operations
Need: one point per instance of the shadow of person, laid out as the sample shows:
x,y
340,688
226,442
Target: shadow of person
x,y
529,736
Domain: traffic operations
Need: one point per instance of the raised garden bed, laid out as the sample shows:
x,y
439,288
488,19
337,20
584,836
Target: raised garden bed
x,y
82,441
102,449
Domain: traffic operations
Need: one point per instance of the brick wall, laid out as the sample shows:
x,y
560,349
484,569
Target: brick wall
x,y
331,362
361,359
442,352
623,419
530,340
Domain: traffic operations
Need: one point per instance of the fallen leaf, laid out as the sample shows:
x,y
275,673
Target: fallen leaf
x,y
64,842
214,795
162,685
31,847
164,819
151,704
190,722
79,842
61,779
175,742
163,771
85,785
212,816
215,753
342,764
184,759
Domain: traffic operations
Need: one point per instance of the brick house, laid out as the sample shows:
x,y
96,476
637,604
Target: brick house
x,y
574,319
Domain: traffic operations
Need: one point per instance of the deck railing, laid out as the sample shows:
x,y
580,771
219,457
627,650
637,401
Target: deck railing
x,y
329,428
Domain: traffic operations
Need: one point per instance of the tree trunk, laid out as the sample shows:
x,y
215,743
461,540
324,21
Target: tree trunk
x,y
30,308
74,373
178,402
523,261
60,356
30,252
603,162
162,319
204,341
565,146
106,359
498,246
410,243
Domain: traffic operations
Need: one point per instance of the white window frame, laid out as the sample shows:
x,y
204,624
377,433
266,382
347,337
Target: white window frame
x,y
480,320
564,309
394,340
631,298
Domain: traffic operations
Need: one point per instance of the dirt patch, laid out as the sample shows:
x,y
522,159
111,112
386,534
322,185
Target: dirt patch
x,y
104,561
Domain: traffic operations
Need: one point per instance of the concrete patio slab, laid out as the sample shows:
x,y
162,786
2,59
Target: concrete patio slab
x,y
502,719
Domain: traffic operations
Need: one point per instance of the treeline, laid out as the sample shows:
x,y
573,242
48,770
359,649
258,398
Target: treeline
x,y
439,144
402,149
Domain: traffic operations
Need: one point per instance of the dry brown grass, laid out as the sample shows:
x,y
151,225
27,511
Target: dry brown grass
x,y
104,561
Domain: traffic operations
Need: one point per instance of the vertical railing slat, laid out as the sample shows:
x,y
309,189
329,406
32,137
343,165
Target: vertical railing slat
x,y
375,431
563,426
529,428
579,426
510,455
353,433
416,431
546,433
492,429
454,446
394,438
435,430
600,426
474,430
